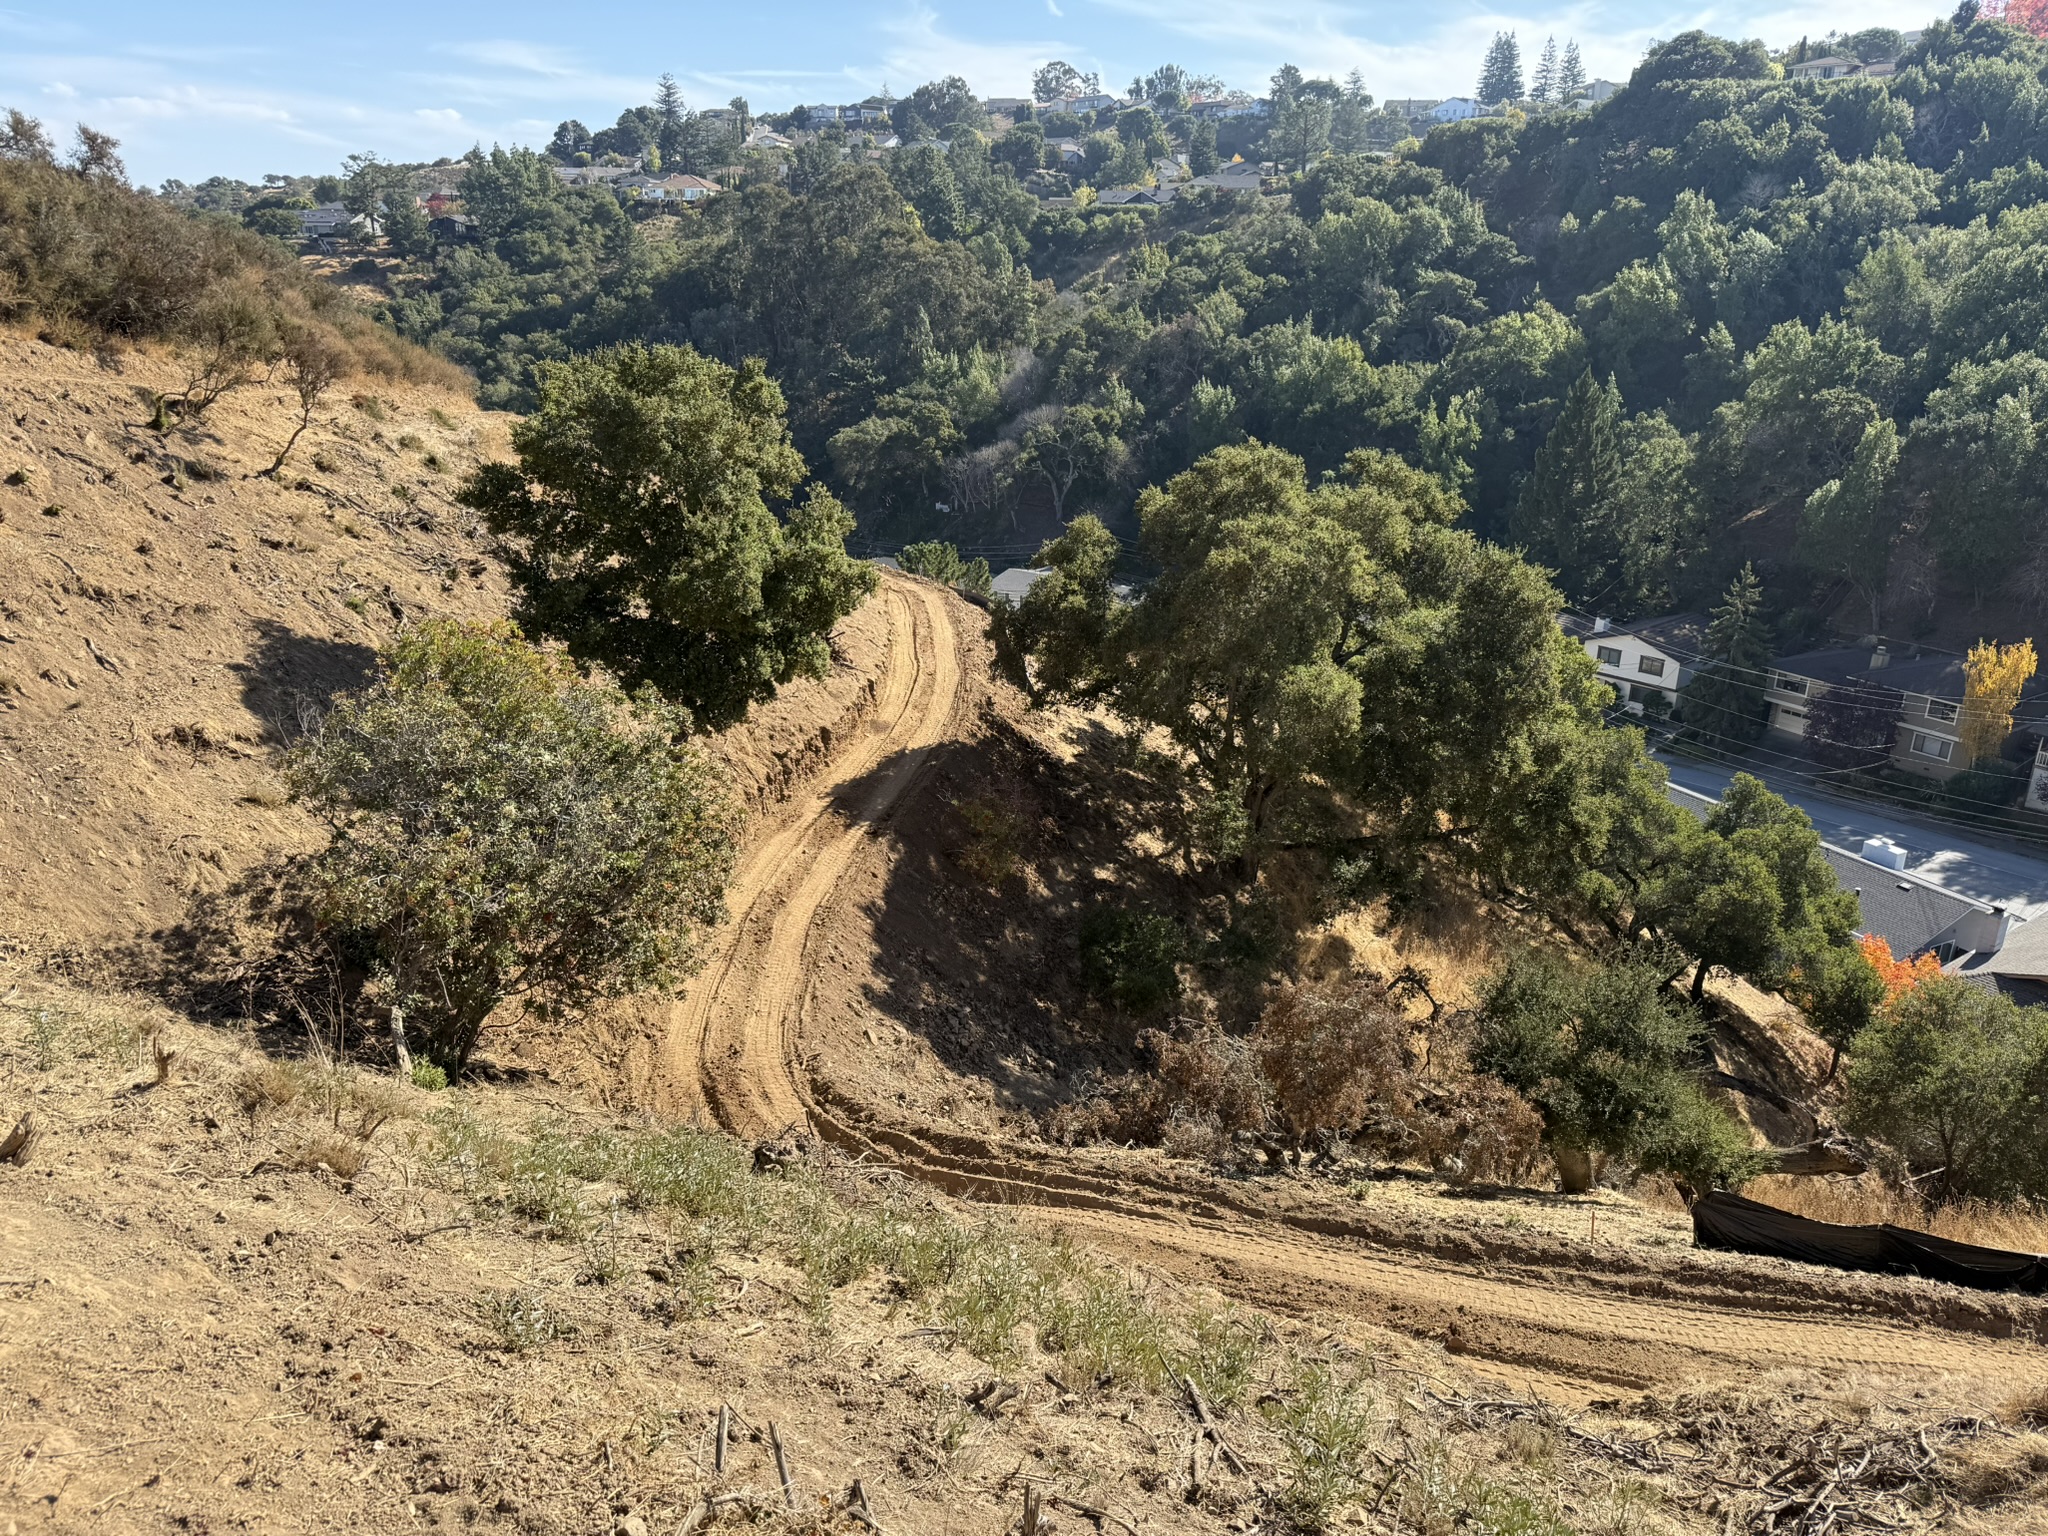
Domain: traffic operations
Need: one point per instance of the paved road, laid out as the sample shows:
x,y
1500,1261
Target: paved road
x,y
1989,869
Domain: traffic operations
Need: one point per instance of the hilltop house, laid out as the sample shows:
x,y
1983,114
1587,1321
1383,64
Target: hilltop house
x,y
1595,92
1829,67
1645,662
678,188
1222,107
1456,110
1238,176
329,221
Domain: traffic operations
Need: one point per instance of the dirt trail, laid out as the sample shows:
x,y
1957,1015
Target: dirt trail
x,y
732,1048
732,1037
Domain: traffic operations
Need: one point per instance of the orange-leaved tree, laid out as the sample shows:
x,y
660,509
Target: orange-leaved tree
x,y
1899,976
1994,676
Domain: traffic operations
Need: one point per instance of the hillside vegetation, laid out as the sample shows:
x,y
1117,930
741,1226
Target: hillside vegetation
x,y
1620,334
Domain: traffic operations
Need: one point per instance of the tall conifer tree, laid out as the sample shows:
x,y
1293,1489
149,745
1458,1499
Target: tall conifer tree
x,y
1566,515
1571,73
1501,78
1545,87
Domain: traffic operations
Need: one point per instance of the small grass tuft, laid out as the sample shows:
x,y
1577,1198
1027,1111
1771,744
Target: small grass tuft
x,y
522,1321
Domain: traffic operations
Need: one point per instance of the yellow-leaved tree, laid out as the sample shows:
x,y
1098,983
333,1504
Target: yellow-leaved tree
x,y
1995,674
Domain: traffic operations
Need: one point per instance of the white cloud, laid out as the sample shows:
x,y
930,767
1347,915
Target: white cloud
x,y
60,90
922,49
1053,6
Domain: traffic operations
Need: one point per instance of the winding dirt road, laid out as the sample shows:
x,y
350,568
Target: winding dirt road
x,y
731,1046
732,1037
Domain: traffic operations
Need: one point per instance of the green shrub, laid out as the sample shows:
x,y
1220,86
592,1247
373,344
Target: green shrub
x,y
428,1076
1128,958
522,1321
1703,1146
942,563
1602,1052
1327,1423
1954,1078
1993,786
504,830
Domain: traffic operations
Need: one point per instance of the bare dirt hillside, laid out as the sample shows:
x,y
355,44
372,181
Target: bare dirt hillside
x,y
166,611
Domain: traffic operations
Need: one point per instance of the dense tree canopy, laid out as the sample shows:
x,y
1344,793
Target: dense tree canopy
x,y
639,528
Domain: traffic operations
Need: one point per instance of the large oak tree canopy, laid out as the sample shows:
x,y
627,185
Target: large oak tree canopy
x,y
640,529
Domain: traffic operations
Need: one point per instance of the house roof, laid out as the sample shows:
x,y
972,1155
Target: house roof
x,y
2024,953
1016,581
1679,634
1907,912
1910,914
1936,677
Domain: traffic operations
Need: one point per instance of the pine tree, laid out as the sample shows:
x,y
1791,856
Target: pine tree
x,y
1571,74
1724,703
1501,78
671,113
1565,518
1545,88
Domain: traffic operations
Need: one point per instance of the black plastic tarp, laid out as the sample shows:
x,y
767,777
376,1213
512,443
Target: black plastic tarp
x,y
1721,1220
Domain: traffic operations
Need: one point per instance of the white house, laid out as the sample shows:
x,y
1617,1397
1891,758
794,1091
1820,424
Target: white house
x,y
327,221
669,189
1827,67
1645,662
1456,110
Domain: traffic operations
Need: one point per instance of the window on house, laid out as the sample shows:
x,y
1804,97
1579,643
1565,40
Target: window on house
x,y
1609,656
1785,682
1940,709
1787,712
1938,747
1650,666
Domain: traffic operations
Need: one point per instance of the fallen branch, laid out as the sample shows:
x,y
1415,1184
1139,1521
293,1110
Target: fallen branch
x,y
1209,1423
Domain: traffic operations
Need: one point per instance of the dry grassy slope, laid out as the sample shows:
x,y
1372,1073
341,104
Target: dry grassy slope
x,y
160,628
163,610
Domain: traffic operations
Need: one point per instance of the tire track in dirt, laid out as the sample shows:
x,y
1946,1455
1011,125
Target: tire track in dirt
x,y
732,1044
732,1037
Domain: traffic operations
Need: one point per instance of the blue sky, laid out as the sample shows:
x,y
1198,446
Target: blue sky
x,y
236,88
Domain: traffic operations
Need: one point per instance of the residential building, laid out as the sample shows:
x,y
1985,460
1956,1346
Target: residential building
x,y
761,138
452,227
1238,176
1456,110
1930,691
597,175
329,221
1069,150
1223,107
1006,106
2018,967
1411,107
1645,662
1828,67
668,189
1016,581
1124,196
1912,915
854,115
